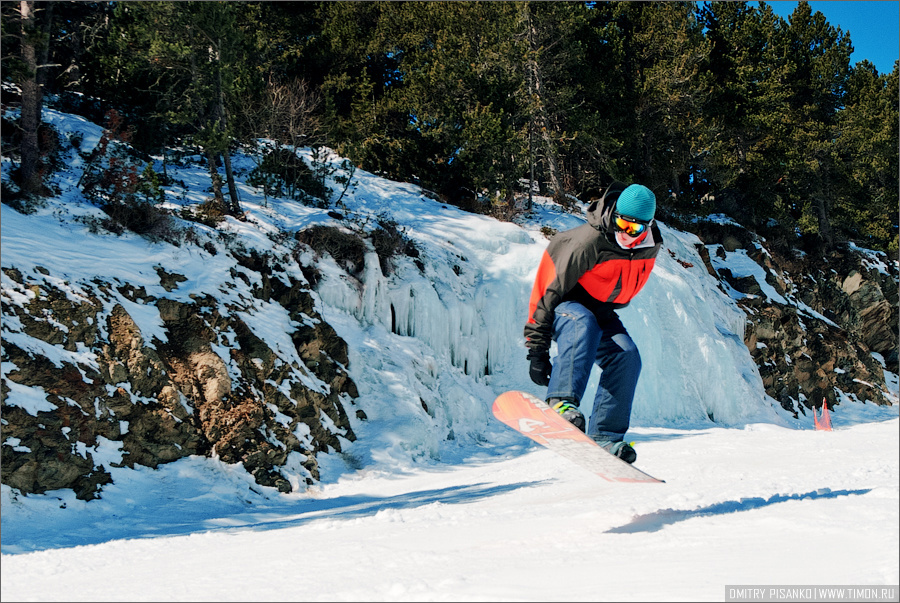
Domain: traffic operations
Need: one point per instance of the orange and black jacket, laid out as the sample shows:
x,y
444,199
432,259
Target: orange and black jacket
x,y
586,265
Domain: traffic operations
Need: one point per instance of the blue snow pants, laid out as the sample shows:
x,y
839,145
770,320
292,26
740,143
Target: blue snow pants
x,y
581,343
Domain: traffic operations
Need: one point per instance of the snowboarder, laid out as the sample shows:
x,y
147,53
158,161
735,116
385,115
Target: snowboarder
x,y
585,275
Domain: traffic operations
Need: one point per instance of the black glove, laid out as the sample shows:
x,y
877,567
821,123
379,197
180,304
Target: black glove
x,y
540,367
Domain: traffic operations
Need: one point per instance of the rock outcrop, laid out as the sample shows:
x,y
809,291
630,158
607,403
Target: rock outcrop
x,y
93,391
838,308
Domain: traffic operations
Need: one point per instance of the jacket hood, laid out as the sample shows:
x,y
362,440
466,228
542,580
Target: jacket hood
x,y
599,212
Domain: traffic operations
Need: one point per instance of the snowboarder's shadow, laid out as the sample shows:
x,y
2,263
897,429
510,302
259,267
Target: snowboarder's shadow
x,y
357,506
653,522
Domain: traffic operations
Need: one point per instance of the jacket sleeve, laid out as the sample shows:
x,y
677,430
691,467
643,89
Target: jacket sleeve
x,y
568,256
539,328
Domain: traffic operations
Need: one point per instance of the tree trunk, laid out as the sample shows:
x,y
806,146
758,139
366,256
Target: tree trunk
x,y
541,120
550,158
30,120
215,178
44,22
824,222
531,170
234,207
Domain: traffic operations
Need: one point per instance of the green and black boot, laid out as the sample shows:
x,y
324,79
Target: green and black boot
x,y
621,449
568,411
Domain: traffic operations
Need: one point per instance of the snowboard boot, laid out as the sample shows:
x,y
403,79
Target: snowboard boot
x,y
568,411
621,449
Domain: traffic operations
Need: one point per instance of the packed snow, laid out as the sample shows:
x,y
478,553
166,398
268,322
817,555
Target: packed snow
x,y
447,503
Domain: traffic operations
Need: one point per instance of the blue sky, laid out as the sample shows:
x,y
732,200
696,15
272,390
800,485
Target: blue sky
x,y
874,27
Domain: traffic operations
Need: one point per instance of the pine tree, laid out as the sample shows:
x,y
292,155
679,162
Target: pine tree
x,y
559,78
867,158
430,92
812,59
660,51
188,57
740,161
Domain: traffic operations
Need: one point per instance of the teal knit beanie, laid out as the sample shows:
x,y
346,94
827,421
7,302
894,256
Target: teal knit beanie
x,y
638,202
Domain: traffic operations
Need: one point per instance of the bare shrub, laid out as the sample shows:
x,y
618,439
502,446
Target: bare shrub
x,y
347,248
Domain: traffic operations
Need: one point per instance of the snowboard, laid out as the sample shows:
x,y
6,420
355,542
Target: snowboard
x,y
532,417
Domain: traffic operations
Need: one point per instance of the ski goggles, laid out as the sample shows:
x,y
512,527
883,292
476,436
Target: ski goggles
x,y
629,226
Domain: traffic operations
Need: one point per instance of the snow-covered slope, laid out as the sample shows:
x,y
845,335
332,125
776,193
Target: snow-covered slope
x,y
763,506
435,499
